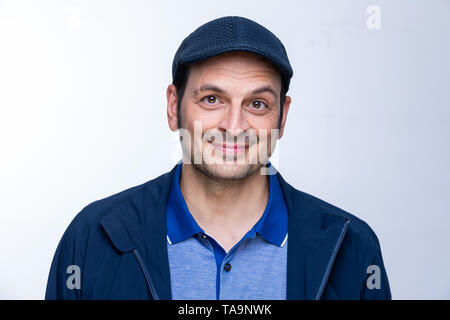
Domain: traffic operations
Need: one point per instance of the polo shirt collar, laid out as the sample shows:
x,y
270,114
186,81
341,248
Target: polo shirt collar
x,y
272,226
180,223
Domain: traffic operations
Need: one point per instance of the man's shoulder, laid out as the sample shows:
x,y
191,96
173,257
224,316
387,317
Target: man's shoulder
x,y
323,213
91,215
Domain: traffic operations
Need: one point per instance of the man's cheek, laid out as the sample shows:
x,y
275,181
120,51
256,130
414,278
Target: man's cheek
x,y
267,144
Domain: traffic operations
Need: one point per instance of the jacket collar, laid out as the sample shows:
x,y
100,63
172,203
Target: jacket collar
x,y
139,223
314,240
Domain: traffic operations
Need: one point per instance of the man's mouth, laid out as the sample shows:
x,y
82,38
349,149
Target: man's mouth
x,y
230,148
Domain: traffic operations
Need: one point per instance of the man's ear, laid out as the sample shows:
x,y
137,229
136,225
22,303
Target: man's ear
x,y
172,101
287,103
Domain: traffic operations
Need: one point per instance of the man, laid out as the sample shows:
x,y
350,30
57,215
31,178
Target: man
x,y
216,226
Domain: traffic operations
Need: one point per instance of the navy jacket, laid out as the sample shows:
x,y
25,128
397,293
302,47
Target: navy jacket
x,y
119,245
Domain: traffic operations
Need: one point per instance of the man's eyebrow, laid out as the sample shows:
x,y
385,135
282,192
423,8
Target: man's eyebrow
x,y
265,89
208,87
212,87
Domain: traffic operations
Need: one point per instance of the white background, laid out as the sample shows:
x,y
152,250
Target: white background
x,y
83,116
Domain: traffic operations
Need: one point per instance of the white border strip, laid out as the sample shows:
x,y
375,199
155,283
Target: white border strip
x,y
284,241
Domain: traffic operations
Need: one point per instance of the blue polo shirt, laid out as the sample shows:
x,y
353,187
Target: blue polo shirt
x,y
200,269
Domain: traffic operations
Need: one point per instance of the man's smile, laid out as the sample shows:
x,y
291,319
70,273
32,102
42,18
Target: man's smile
x,y
230,148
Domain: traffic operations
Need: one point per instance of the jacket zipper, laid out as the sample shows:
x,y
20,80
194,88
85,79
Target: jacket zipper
x,y
333,257
146,275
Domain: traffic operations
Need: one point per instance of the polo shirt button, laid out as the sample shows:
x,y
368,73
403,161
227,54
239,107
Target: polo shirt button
x,y
204,236
227,267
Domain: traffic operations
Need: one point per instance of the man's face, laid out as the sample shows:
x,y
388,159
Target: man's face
x,y
230,106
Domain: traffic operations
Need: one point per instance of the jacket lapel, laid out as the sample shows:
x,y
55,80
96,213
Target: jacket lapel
x,y
140,224
314,239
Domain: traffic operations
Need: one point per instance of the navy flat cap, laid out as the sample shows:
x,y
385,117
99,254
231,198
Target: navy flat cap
x,y
232,33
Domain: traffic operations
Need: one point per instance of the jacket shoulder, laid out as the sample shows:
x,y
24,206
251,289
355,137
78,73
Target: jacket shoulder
x,y
360,247
357,226
93,212
85,243
323,213
86,229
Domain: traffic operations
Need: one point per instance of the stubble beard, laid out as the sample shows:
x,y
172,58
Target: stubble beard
x,y
231,170
227,172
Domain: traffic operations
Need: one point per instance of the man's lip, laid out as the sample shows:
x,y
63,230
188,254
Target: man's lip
x,y
229,146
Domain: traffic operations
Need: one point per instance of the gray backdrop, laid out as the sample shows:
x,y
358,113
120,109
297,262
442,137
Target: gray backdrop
x,y
83,116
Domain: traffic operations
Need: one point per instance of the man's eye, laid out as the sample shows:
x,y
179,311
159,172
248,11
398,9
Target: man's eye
x,y
210,99
258,105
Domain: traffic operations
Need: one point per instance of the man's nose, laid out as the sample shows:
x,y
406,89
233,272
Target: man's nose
x,y
234,120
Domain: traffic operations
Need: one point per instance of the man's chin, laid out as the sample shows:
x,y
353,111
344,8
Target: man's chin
x,y
227,171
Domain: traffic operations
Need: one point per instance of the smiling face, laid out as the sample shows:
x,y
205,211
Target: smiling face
x,y
230,106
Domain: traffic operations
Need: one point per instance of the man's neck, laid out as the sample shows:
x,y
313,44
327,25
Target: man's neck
x,y
225,210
